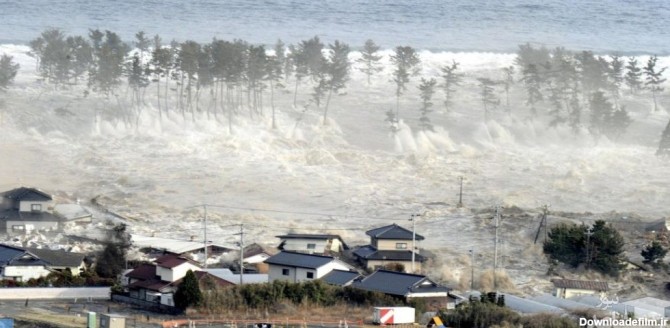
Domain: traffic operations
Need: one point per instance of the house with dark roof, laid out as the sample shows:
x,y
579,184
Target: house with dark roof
x,y
297,267
407,286
157,282
390,244
23,264
25,209
312,243
567,288
341,278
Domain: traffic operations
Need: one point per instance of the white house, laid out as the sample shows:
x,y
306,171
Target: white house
x,y
297,267
23,264
312,243
567,288
25,209
391,244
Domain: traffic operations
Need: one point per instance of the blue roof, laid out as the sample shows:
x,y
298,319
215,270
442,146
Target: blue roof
x,y
398,283
340,277
300,260
393,231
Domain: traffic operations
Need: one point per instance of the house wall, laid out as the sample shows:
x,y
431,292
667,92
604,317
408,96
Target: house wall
x,y
300,245
570,292
75,270
24,273
258,258
332,265
167,299
275,273
375,264
14,227
175,273
336,246
390,244
26,205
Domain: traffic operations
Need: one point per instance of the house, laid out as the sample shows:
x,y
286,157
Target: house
x,y
341,278
157,282
567,288
23,264
407,286
297,267
73,214
25,209
390,244
156,246
255,255
312,243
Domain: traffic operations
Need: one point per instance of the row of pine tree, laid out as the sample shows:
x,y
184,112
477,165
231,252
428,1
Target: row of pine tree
x,y
577,89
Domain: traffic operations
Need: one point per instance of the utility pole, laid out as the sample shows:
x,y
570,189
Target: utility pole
x,y
413,219
472,269
588,234
495,246
205,233
545,211
460,194
241,253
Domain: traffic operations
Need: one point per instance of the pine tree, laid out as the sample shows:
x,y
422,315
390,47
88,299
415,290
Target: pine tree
x,y
601,109
370,60
8,71
110,53
654,79
426,89
406,62
188,293
336,71
664,144
654,253
617,123
112,260
616,78
508,81
533,83
274,72
487,95
633,75
575,115
451,79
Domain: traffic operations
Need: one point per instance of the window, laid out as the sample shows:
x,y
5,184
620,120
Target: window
x,y
310,275
36,207
284,272
311,246
400,245
18,228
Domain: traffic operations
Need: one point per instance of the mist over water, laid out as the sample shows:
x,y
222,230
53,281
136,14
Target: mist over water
x,y
463,25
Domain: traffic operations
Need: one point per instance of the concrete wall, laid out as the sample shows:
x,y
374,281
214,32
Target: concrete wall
x,y
21,293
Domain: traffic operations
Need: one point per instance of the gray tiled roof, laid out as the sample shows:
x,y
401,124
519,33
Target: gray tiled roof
x,y
299,260
58,258
17,256
24,193
398,283
368,252
393,231
340,277
581,284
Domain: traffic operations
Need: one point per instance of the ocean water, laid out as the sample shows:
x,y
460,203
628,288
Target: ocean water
x,y
623,26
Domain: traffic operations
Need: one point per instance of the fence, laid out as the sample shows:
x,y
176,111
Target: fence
x,y
260,323
146,305
54,293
